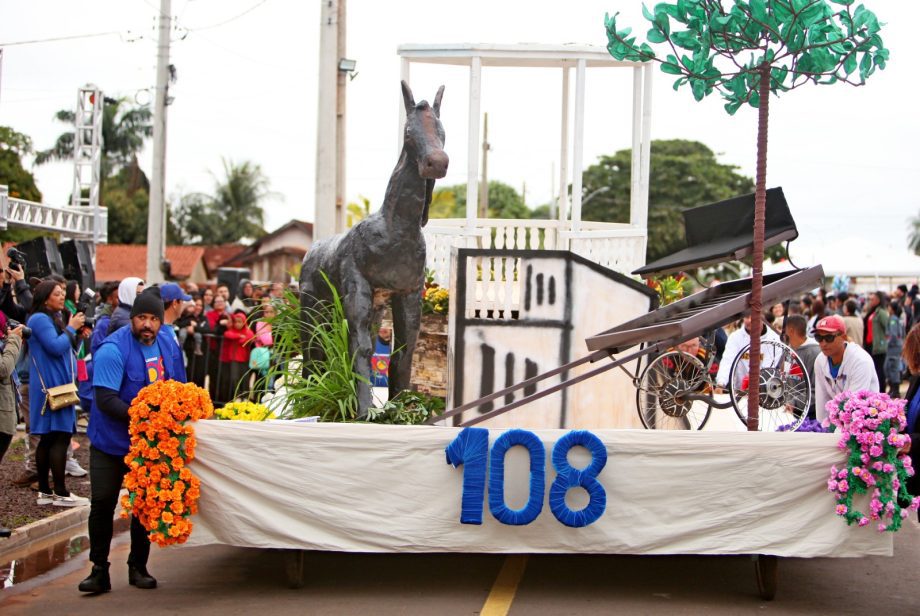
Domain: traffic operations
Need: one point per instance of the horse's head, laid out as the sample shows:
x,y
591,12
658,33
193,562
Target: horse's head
x,y
424,134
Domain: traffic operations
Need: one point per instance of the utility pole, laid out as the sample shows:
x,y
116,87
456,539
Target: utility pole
x,y
484,183
341,82
156,216
329,206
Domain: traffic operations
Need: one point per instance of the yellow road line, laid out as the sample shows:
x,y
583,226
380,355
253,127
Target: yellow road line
x,y
502,594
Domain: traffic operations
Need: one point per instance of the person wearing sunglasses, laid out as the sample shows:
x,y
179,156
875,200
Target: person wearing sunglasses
x,y
841,366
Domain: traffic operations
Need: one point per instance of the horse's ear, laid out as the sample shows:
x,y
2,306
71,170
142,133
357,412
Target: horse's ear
x,y
437,101
408,99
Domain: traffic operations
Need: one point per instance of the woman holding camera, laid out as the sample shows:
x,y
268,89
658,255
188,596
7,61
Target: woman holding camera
x,y
52,364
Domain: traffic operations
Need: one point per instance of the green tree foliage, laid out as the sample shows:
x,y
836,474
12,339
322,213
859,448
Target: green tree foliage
x,y
683,174
444,203
504,202
13,146
356,211
127,201
125,128
124,189
21,183
789,42
232,213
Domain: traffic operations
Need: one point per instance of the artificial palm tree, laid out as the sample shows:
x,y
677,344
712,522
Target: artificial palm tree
x,y
747,50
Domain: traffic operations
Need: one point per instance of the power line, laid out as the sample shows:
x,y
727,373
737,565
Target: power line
x,y
66,38
226,21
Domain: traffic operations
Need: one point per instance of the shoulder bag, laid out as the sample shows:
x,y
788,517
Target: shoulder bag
x,y
60,396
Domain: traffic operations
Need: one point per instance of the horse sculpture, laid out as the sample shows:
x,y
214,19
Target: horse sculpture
x,y
384,251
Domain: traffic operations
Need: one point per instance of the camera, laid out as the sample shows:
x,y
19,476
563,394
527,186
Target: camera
x,y
17,259
87,307
26,331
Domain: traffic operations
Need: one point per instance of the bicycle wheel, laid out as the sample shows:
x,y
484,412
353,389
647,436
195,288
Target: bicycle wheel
x,y
660,390
784,387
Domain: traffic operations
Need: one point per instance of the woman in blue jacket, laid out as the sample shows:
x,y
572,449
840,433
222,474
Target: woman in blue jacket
x,y
52,364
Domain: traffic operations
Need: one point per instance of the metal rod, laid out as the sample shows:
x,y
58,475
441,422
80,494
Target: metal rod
x,y
560,386
531,381
703,398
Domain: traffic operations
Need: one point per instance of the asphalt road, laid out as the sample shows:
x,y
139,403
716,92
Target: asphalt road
x,y
226,580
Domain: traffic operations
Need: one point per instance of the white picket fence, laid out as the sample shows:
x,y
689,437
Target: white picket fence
x,y
494,283
618,246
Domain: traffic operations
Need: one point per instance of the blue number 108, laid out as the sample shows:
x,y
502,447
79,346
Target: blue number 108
x,y
471,449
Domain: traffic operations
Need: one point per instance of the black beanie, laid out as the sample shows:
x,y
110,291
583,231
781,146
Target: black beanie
x,y
148,302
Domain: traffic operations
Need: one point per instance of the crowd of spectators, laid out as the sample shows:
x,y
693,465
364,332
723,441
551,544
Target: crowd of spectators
x,y
50,328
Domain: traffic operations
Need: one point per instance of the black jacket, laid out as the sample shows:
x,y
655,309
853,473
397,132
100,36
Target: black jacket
x,y
16,307
913,483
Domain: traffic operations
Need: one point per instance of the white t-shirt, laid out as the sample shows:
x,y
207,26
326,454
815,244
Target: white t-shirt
x,y
856,372
737,341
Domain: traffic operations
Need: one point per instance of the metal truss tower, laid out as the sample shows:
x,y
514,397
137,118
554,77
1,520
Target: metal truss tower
x,y
87,155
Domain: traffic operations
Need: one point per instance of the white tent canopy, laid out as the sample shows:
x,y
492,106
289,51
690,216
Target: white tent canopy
x,y
857,257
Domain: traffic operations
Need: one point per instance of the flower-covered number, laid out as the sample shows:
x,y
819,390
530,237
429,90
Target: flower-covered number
x,y
470,449
569,477
162,491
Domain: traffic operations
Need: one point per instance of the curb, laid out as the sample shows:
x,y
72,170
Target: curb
x,y
42,529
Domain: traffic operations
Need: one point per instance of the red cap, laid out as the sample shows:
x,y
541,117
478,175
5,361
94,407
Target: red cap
x,y
833,323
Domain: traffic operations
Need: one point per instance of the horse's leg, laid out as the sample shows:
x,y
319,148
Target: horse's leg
x,y
407,318
309,301
359,310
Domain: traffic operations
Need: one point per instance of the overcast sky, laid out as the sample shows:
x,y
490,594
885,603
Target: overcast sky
x,y
846,157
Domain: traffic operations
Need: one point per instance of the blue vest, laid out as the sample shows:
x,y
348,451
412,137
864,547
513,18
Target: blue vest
x,y
108,434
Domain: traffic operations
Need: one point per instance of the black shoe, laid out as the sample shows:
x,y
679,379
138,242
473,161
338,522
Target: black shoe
x,y
5,532
98,581
138,576
25,479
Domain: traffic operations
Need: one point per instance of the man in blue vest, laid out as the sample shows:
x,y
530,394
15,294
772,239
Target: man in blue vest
x,y
130,359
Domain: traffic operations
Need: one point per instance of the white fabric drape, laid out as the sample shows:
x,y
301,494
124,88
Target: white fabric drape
x,y
375,488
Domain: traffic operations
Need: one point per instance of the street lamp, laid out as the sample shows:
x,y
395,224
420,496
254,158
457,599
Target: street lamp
x,y
600,190
347,65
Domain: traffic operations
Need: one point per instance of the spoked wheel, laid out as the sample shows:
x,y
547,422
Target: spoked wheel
x,y
661,389
785,387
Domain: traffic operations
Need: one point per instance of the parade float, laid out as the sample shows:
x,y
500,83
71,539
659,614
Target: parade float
x,y
667,489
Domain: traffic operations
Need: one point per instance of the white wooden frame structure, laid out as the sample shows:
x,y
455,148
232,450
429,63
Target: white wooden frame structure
x,y
620,246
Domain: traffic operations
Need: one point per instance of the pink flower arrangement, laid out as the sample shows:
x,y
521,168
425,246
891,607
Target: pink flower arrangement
x,y
871,429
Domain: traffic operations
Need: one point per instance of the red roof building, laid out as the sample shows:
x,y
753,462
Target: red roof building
x,y
119,261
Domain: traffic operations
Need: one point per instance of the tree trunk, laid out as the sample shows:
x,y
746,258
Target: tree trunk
x,y
760,207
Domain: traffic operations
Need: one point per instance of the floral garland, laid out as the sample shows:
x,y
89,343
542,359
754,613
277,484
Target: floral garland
x,y
809,425
245,411
871,426
162,492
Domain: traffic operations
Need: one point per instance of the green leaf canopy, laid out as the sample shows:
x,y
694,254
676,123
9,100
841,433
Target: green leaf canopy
x,y
724,46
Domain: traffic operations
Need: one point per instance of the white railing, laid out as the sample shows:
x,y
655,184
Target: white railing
x,y
74,222
618,246
494,286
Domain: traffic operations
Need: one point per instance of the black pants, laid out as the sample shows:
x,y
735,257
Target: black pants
x,y
5,440
51,455
106,474
879,362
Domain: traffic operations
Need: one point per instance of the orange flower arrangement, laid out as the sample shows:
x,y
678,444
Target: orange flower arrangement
x,y
162,492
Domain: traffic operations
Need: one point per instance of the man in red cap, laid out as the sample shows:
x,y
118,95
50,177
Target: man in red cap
x,y
842,366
